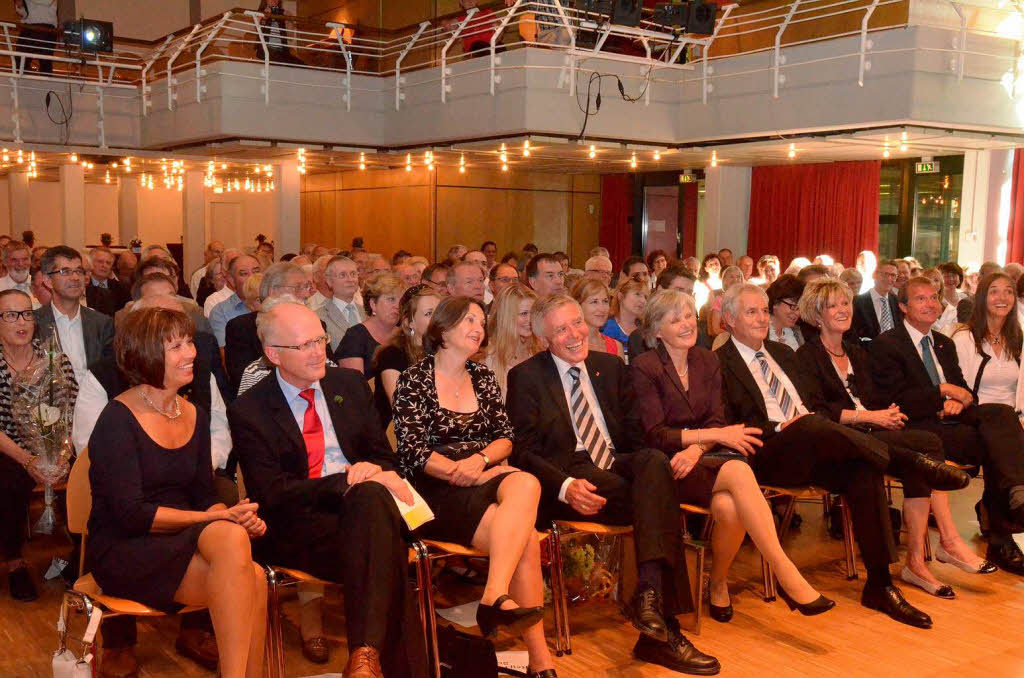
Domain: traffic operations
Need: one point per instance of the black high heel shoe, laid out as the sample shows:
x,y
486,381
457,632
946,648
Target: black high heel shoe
x,y
818,606
721,614
516,620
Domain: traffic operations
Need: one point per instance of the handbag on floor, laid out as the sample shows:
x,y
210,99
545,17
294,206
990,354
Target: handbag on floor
x,y
65,664
465,656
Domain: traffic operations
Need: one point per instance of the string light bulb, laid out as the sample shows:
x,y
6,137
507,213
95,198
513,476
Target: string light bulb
x,y
632,162
657,155
593,152
106,178
526,148
462,164
903,148
362,161
504,167
792,151
74,157
714,158
408,162
885,152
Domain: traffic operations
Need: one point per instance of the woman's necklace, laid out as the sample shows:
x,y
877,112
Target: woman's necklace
x,y
995,340
841,354
172,415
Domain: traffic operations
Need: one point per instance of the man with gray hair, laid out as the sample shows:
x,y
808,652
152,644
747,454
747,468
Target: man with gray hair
x,y
344,307
765,388
579,432
316,459
599,267
323,290
223,293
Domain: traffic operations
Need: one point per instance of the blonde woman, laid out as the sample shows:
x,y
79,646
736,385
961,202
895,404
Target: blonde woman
x,y
510,337
594,298
627,309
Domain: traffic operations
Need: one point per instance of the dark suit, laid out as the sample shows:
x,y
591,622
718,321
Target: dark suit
x,y
814,450
987,435
638,486
348,534
865,321
107,300
903,444
241,347
97,331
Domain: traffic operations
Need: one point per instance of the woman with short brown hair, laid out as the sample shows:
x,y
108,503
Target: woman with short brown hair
x,y
157,534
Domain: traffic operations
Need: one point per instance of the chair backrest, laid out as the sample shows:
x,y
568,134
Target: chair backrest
x,y
240,484
79,494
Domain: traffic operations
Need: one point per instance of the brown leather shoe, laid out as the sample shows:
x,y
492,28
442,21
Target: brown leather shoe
x,y
315,650
198,645
118,663
363,662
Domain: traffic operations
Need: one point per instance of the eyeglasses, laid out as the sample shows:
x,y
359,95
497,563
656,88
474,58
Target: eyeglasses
x,y
68,272
12,316
306,346
307,286
790,304
506,279
347,275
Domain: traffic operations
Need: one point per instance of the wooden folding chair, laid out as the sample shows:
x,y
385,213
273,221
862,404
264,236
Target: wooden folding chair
x,y
86,593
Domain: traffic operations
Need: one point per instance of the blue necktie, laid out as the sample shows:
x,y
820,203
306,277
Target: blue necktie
x,y
929,362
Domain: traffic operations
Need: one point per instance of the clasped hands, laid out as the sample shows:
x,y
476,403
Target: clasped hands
x,y
956,399
364,471
244,513
473,471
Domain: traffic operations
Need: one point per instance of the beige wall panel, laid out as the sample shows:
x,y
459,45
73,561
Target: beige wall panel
x,y
388,219
586,226
449,176
586,183
419,176
319,182
510,218
139,20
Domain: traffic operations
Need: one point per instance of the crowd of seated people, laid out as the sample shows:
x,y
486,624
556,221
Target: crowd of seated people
x,y
521,391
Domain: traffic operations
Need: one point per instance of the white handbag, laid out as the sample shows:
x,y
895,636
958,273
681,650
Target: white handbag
x,y
65,663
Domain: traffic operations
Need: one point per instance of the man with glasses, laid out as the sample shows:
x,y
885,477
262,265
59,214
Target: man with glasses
x,y
241,343
500,277
877,310
316,459
599,267
239,271
545,275
344,309
85,335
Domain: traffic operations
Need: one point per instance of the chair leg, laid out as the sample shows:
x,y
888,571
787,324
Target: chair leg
x,y
427,615
851,562
927,546
559,596
275,641
699,602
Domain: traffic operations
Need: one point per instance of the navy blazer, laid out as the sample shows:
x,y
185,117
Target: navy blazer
x,y
865,323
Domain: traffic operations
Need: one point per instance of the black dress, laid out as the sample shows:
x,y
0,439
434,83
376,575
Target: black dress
x,y
131,477
423,426
358,343
389,357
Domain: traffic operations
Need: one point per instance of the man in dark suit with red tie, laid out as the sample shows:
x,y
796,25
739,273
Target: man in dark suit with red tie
x,y
577,430
317,461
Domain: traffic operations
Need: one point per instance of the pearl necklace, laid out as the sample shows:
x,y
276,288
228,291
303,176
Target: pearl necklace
x,y
173,415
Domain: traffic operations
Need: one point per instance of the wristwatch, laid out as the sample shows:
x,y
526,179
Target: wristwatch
x,y
487,460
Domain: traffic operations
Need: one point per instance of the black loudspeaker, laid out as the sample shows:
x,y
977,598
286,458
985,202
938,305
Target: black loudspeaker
x,y
671,14
701,20
595,6
626,12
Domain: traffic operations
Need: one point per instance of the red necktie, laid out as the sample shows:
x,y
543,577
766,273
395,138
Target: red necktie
x,y
313,434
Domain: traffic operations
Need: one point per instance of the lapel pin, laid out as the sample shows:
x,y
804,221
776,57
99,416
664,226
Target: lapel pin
x,y
338,400
597,374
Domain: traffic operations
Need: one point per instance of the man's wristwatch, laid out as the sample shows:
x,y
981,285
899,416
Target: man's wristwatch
x,y
487,460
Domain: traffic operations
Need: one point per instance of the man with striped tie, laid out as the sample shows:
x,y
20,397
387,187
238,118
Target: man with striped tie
x,y
877,310
765,387
577,430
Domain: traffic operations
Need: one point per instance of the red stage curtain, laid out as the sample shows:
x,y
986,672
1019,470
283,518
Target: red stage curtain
x,y
616,212
1015,234
807,210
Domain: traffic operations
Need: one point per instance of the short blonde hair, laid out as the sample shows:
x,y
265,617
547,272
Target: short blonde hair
x,y
660,305
817,295
625,288
251,287
588,287
379,284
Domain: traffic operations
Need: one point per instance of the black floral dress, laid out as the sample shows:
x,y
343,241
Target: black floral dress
x,y
422,426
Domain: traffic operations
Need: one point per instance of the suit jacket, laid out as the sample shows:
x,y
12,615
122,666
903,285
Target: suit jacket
x,y
665,407
299,510
865,323
743,400
335,322
97,331
241,347
109,300
545,437
815,359
899,372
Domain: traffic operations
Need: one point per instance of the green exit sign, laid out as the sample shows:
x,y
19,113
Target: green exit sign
x,y
930,167
687,178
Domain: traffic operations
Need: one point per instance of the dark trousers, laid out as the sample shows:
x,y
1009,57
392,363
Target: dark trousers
x,y
35,41
989,436
903,447
641,492
817,451
15,494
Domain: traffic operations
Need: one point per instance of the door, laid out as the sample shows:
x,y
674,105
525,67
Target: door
x,y
661,219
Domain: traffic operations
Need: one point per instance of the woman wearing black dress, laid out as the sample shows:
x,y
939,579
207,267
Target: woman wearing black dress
x,y
453,434
157,533
381,294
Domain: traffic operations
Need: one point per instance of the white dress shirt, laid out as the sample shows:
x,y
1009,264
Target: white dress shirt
x,y
352,311
197,277
92,398
916,337
770,403
787,337
334,458
72,342
595,408
8,283
215,298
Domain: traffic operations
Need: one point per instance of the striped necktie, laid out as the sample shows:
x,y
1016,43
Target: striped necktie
x,y
586,424
775,388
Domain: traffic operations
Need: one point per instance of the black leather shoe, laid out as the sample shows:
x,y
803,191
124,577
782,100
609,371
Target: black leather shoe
x,y
644,612
677,654
939,475
21,585
546,673
817,606
890,600
1006,556
516,620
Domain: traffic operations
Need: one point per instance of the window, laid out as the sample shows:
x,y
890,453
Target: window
x,y
919,214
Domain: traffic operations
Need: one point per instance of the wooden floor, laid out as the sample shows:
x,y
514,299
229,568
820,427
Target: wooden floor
x,y
977,635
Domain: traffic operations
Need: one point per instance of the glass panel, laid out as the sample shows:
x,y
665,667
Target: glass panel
x,y
887,240
937,217
891,191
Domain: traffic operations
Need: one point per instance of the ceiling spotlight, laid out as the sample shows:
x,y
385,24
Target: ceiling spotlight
x,y
903,136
